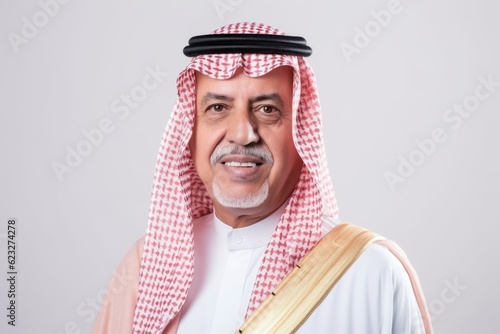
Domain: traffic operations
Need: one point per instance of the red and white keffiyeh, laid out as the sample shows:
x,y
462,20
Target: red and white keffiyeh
x,y
179,196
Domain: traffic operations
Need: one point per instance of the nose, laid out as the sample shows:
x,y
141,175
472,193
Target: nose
x,y
242,127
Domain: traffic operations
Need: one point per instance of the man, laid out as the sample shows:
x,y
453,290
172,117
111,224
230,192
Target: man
x,y
241,194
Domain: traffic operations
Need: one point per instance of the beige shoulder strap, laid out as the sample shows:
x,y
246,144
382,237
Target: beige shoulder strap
x,y
286,309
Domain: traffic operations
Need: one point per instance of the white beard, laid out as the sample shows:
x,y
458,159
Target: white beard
x,y
246,201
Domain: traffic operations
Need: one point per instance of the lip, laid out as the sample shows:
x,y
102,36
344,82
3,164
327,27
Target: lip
x,y
240,158
245,168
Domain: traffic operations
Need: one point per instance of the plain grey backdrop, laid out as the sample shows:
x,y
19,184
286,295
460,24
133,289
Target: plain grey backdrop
x,y
410,92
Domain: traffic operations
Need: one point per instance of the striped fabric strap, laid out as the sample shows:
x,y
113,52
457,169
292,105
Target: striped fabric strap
x,y
305,287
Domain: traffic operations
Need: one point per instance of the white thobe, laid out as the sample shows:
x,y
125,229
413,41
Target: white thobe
x,y
374,296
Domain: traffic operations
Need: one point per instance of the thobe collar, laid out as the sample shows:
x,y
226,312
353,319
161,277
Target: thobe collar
x,y
249,237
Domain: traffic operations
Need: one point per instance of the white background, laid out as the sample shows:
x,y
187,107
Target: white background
x,y
64,78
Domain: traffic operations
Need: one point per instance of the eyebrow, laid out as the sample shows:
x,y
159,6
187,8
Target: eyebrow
x,y
265,97
273,97
212,96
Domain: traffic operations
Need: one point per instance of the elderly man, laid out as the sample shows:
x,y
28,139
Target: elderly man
x,y
241,195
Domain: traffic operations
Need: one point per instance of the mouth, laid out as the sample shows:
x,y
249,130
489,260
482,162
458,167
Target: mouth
x,y
241,164
243,168
241,161
241,157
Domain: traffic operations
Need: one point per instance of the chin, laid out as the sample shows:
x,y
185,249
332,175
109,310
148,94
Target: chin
x,y
241,201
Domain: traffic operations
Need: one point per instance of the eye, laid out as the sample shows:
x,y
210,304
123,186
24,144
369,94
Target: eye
x,y
216,107
268,109
268,114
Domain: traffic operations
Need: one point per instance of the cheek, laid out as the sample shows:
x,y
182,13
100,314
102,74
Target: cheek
x,y
202,144
286,157
291,167
196,149
193,145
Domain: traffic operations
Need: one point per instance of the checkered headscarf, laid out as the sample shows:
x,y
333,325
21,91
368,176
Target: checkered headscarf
x,y
179,196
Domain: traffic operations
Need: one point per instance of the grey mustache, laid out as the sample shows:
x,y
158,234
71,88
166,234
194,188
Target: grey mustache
x,y
255,151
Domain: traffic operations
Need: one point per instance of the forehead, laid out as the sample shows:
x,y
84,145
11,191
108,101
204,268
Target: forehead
x,y
279,80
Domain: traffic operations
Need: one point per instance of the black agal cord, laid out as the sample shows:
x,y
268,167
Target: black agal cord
x,y
247,43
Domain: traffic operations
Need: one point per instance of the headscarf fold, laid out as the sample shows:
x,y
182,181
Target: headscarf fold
x,y
179,196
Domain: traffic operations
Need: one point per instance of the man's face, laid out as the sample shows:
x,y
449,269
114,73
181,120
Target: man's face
x,y
242,144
